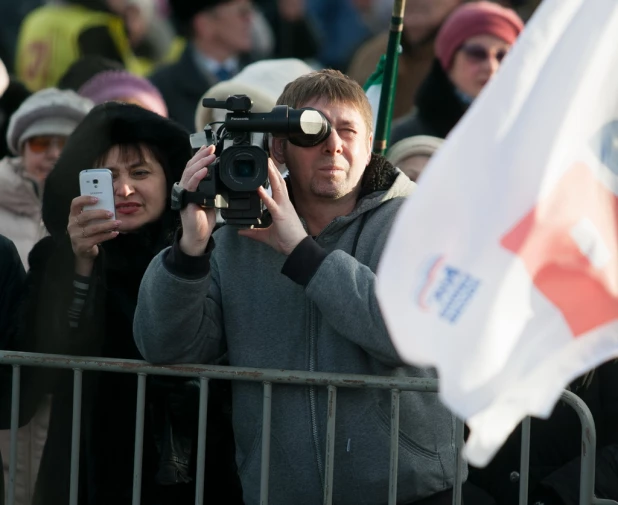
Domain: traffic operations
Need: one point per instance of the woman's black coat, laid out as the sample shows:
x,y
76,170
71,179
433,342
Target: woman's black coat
x,y
105,330
437,109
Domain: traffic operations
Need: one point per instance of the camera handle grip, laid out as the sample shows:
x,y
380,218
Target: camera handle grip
x,y
181,198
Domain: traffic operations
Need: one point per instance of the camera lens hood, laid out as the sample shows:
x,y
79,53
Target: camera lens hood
x,y
308,127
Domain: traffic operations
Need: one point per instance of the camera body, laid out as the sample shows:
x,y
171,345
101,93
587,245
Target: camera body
x,y
241,141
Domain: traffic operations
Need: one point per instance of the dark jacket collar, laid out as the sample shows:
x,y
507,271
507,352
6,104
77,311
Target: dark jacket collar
x,y
196,81
437,102
379,175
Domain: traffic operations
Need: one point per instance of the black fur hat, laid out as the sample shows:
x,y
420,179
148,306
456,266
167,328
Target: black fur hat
x,y
107,125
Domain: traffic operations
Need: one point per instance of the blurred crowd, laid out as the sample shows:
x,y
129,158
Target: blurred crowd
x,y
119,83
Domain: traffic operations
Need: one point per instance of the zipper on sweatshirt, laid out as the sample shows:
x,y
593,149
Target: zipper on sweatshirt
x,y
312,394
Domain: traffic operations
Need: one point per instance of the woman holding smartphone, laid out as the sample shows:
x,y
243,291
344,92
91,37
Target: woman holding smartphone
x,y
82,293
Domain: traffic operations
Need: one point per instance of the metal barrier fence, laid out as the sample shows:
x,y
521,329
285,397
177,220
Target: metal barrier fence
x,y
331,381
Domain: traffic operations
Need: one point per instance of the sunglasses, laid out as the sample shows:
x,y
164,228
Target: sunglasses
x,y
479,54
41,144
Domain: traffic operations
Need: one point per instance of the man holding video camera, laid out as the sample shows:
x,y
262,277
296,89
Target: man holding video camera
x,y
299,295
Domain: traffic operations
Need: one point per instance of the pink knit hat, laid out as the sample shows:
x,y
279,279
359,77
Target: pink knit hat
x,y
119,84
477,18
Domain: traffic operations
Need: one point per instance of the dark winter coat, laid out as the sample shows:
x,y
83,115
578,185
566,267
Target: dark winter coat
x,y
105,329
562,487
554,443
437,108
182,85
12,277
293,39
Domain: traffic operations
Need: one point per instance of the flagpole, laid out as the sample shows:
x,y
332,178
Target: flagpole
x,y
389,84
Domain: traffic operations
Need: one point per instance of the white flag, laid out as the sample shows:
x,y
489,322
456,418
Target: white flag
x,y
502,269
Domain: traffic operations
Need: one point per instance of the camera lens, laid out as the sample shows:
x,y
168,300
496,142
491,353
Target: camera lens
x,y
244,168
96,181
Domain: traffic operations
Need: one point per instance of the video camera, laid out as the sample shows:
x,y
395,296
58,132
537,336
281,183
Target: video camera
x,y
241,142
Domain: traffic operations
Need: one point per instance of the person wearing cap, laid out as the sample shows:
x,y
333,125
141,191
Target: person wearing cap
x,y
469,48
36,135
421,21
411,154
122,86
84,69
219,43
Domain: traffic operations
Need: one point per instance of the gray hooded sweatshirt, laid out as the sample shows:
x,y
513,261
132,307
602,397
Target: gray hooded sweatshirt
x,y
315,310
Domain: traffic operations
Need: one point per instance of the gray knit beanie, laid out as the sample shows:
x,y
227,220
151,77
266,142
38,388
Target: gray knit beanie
x,y
46,112
418,145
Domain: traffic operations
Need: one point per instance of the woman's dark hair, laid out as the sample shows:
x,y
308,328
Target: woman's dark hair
x,y
135,153
128,126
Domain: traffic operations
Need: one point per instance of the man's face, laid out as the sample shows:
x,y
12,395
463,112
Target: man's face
x,y
334,168
231,23
422,18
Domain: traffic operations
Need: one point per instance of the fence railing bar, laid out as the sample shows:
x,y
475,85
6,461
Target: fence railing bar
x,y
266,420
298,377
524,462
589,444
76,437
15,392
267,376
201,442
460,463
329,465
394,449
138,453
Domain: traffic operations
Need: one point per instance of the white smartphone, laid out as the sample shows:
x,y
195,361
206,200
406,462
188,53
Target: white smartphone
x,y
98,182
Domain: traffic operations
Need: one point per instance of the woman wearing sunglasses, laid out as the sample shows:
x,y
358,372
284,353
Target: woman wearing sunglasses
x,y
36,135
470,47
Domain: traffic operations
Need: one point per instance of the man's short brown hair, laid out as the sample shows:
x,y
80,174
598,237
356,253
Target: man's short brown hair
x,y
331,85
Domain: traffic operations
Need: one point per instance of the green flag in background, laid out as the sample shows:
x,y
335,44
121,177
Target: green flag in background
x,y
373,89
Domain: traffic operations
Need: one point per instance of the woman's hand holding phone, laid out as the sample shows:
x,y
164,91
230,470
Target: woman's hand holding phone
x,y
87,229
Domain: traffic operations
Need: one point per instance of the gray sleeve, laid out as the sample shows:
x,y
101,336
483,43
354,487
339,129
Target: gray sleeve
x,y
178,320
344,291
